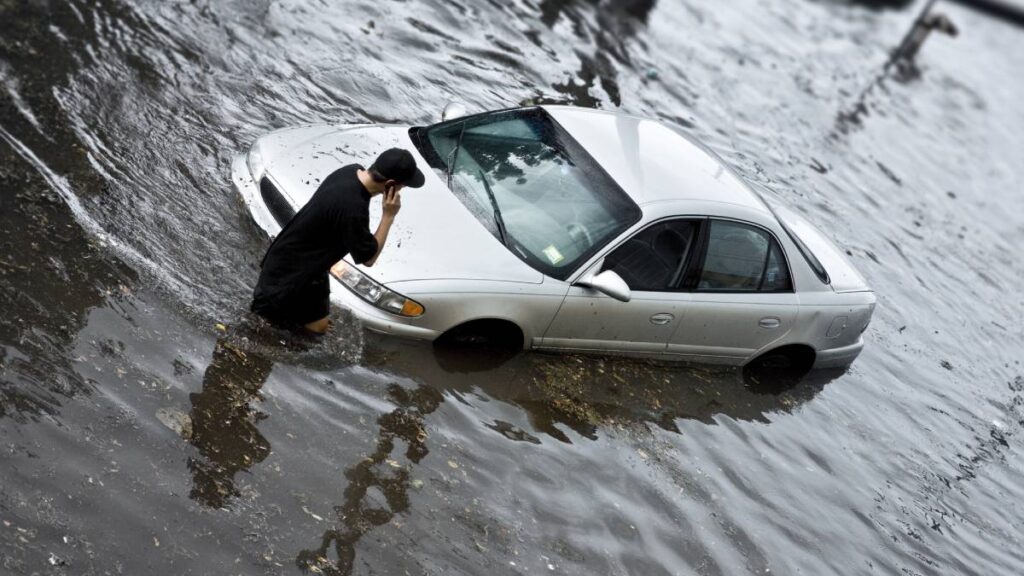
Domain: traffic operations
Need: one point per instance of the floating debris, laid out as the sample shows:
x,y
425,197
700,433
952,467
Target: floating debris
x,y
176,420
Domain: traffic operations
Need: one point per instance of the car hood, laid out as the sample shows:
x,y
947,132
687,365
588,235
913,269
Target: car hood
x,y
434,235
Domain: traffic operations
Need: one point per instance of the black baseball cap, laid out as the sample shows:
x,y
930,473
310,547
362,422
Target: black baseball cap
x,y
399,165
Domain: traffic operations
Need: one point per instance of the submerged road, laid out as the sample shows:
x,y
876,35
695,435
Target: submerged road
x,y
148,424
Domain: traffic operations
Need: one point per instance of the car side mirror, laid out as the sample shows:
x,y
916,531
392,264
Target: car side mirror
x,y
453,110
608,283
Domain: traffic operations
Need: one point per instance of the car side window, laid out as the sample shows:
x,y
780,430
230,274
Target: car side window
x,y
742,258
776,274
654,259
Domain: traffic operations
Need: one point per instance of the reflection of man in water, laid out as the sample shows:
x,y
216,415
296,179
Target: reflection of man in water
x,y
359,514
293,287
224,424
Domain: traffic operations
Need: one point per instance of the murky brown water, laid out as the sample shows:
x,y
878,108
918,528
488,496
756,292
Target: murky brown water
x,y
136,436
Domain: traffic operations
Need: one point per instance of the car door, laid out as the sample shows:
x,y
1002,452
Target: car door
x,y
652,263
742,297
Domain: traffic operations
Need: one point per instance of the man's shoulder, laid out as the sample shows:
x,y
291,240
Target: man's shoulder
x,y
341,179
345,175
342,189
350,168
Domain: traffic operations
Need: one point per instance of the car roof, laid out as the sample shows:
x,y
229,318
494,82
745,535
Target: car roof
x,y
652,161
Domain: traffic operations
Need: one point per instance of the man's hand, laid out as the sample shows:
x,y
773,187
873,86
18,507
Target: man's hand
x,y
392,202
338,268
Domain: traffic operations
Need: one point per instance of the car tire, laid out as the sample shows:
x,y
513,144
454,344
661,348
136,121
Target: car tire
x,y
478,345
778,370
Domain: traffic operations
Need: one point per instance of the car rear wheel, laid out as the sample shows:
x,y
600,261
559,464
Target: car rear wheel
x,y
779,369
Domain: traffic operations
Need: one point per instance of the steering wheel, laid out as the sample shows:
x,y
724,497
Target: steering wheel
x,y
578,232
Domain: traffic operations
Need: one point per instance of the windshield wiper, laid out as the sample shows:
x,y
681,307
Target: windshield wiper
x,y
454,155
497,212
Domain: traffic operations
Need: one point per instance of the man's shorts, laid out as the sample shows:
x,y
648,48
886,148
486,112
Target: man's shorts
x,y
303,305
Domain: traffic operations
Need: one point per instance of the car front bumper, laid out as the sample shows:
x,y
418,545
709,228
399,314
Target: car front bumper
x,y
839,357
374,318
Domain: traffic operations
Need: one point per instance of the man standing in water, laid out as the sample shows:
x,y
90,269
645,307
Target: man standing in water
x,y
293,287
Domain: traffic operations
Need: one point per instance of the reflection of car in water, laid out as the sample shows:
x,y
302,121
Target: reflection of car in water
x,y
588,393
561,228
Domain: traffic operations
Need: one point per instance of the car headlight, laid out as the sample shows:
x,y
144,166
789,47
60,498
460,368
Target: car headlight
x,y
375,293
255,161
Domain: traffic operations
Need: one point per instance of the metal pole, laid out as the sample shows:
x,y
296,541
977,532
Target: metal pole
x,y
910,34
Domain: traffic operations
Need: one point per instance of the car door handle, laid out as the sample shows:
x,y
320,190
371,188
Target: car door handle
x,y
769,323
663,318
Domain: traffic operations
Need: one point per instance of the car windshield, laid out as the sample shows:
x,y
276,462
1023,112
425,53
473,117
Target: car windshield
x,y
531,185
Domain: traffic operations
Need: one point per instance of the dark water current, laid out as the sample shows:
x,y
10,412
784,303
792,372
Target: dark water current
x,y
147,425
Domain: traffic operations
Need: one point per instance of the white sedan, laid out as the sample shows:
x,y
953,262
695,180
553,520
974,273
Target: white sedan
x,y
569,229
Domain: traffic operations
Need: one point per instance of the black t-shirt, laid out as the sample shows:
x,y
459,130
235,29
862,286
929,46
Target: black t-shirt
x,y
335,222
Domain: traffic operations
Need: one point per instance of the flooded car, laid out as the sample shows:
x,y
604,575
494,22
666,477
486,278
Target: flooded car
x,y
570,229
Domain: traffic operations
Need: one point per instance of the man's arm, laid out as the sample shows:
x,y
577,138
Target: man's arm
x,y
391,205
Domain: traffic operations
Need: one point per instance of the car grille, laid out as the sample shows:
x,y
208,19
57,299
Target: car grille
x,y
276,202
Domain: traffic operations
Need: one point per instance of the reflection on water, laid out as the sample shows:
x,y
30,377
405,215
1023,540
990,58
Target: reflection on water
x,y
224,423
586,392
384,472
584,395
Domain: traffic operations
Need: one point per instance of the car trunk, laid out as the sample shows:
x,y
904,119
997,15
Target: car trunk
x,y
843,277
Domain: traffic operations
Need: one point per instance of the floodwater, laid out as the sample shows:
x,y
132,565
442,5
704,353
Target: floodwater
x,y
149,425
